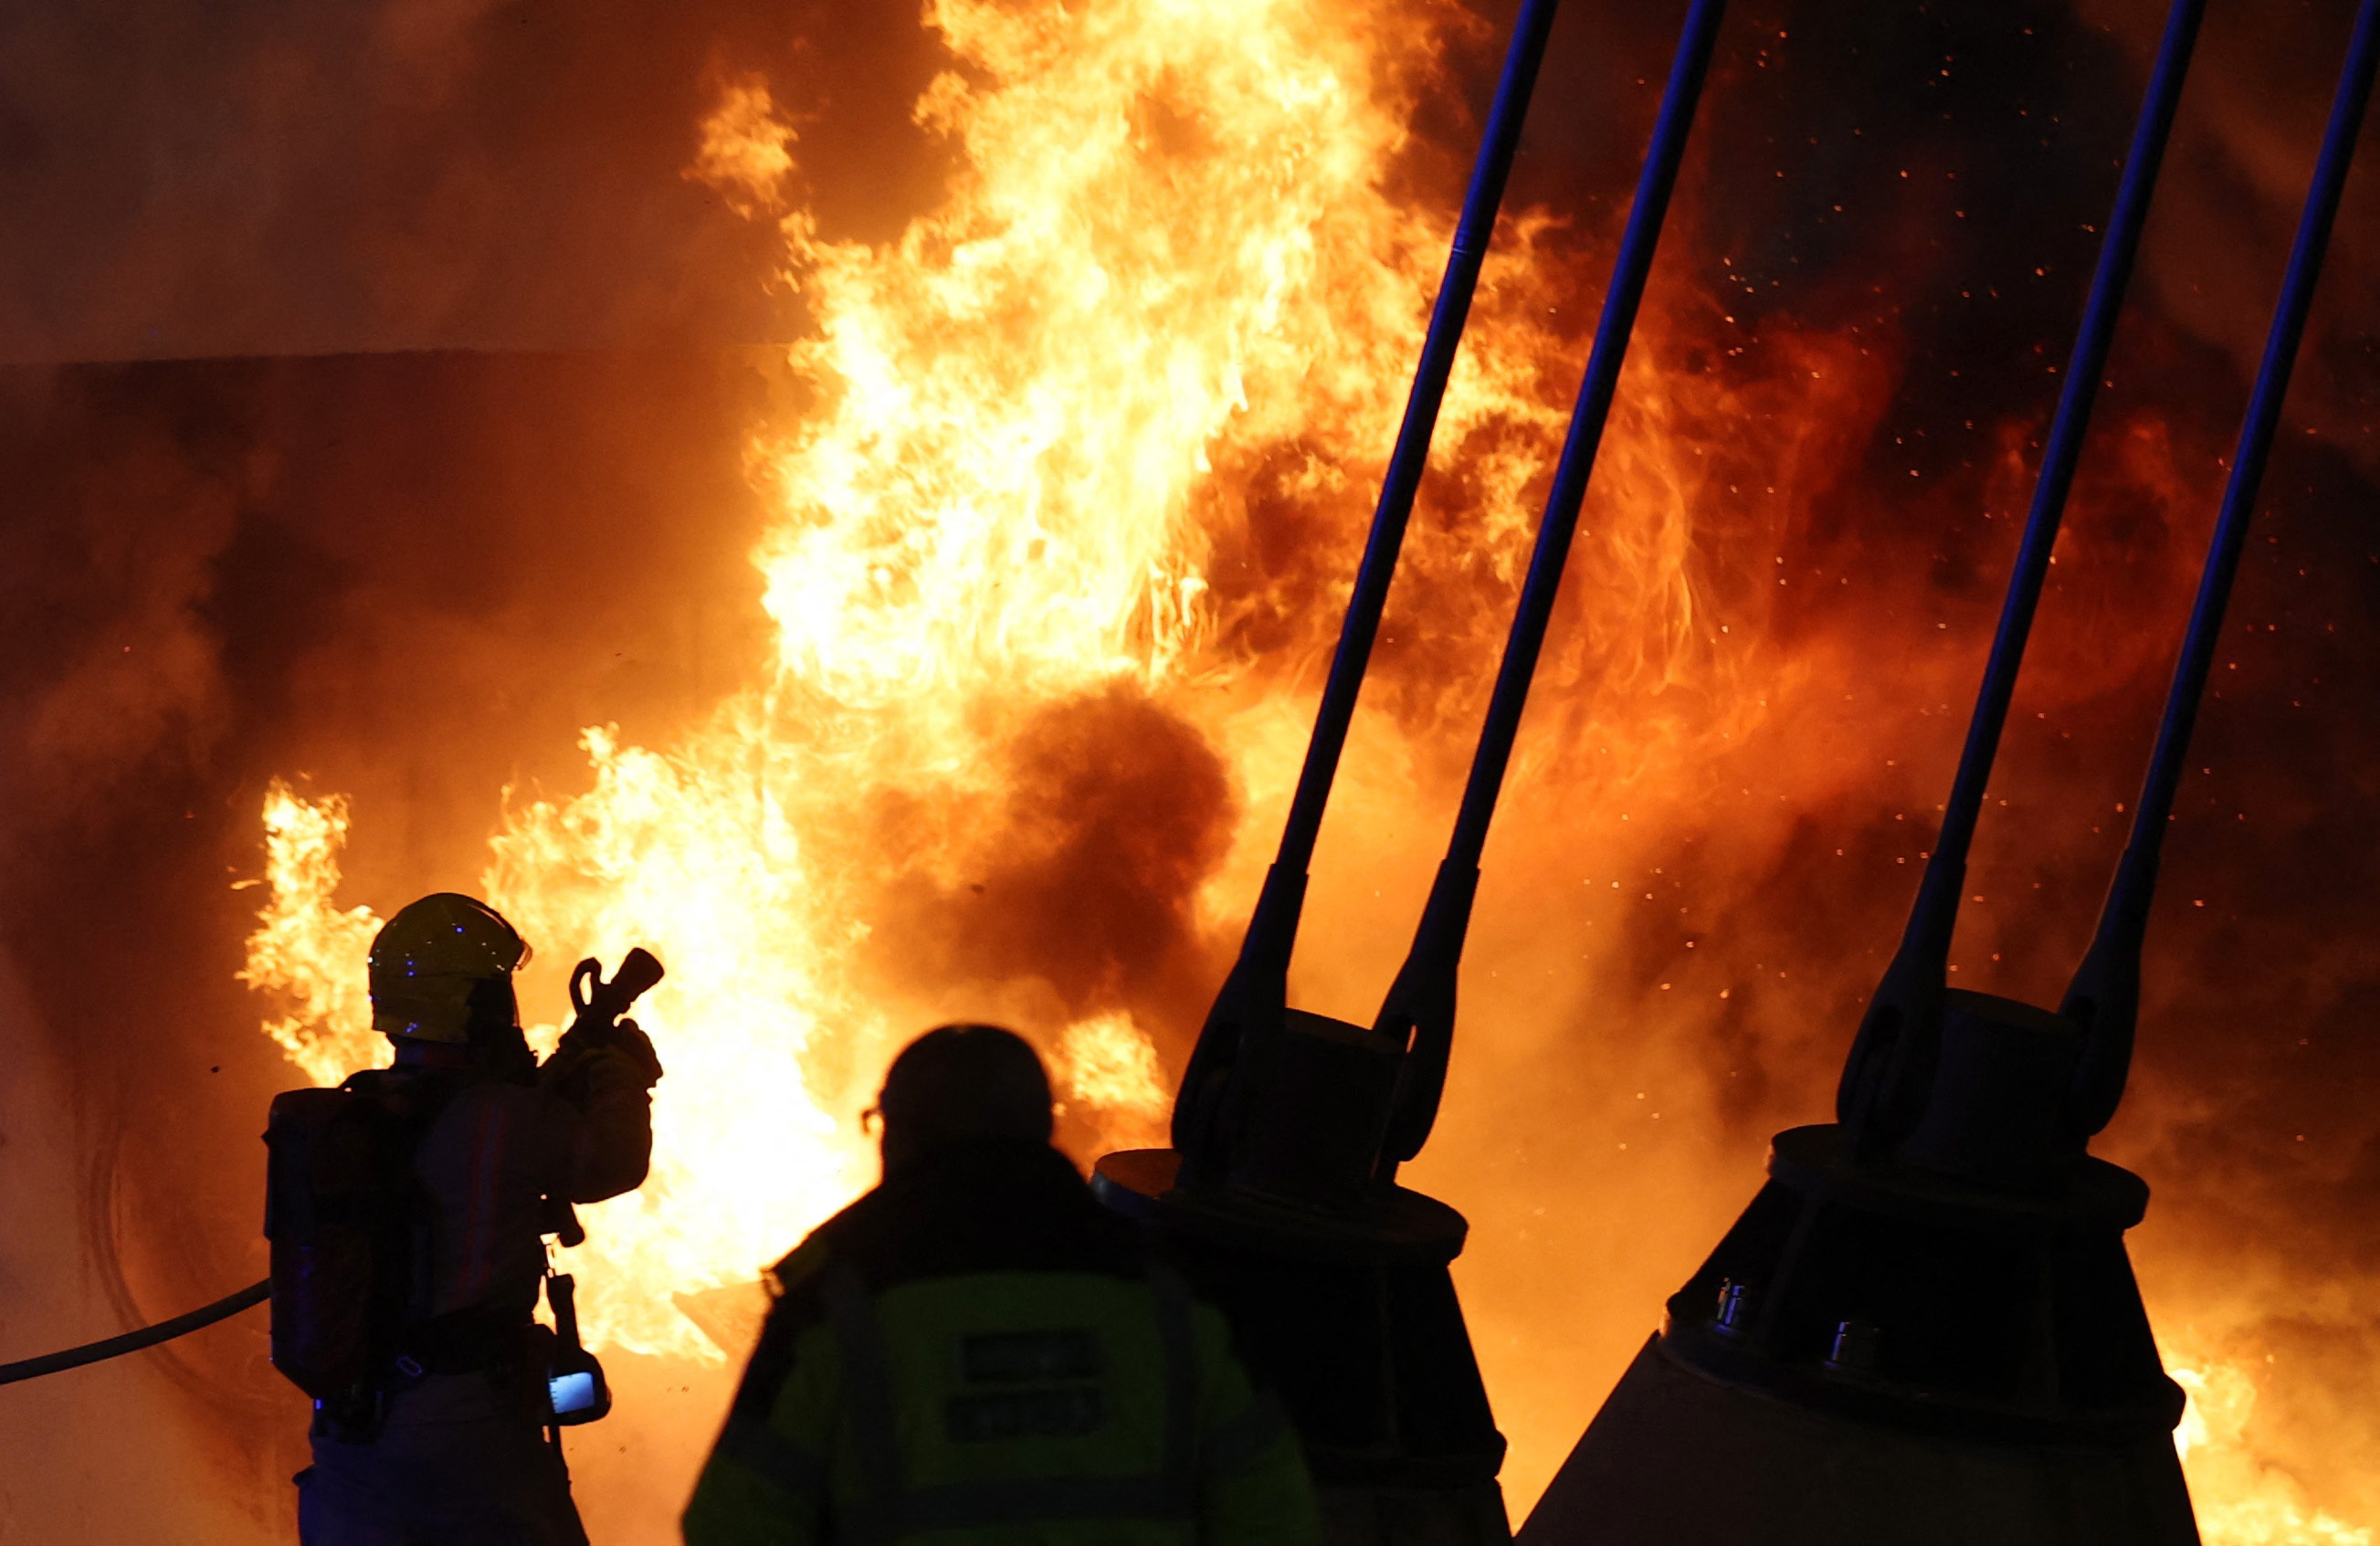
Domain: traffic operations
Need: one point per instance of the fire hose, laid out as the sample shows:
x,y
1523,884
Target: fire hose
x,y
133,1341
599,1005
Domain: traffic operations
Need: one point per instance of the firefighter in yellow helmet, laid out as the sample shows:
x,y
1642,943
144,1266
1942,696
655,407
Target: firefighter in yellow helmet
x,y
977,1352
444,1442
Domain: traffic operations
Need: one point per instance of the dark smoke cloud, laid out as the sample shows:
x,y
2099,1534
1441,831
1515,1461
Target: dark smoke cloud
x,y
274,176
1081,873
112,668
415,578
2244,150
1924,176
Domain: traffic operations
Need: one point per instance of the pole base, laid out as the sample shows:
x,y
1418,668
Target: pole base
x,y
1469,1516
1348,1316
1678,1459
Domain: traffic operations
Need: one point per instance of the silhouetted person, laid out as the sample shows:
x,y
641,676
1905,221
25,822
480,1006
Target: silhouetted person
x,y
447,1446
978,1351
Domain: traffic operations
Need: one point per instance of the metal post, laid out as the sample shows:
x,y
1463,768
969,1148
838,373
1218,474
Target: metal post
x,y
1278,1199
1891,1069
1419,1009
2104,998
1254,995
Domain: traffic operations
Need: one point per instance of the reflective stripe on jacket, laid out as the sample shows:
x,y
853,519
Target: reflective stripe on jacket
x,y
998,1406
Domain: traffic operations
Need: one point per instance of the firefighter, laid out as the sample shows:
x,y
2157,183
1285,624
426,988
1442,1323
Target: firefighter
x,y
451,1449
977,1350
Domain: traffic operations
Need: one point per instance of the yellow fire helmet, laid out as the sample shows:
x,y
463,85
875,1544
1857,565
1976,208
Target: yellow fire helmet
x,y
429,965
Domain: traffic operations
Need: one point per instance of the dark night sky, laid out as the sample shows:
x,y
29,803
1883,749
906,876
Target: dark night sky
x,y
414,561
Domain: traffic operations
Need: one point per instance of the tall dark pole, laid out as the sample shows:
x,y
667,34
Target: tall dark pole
x,y
1890,1069
1254,995
1419,1009
1279,1198
2105,996
1926,1318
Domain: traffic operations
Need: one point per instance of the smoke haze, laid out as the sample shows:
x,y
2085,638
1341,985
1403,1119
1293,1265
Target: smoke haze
x,y
508,501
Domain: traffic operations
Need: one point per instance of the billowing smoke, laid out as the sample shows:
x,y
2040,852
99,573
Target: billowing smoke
x,y
1111,813
415,577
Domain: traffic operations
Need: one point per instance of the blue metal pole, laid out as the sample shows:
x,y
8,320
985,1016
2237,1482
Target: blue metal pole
x,y
1890,1070
1419,1009
2105,994
1254,995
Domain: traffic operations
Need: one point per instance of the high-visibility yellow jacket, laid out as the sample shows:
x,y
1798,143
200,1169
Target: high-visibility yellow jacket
x,y
1013,1373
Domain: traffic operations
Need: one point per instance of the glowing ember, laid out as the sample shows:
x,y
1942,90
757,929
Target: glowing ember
x,y
1054,432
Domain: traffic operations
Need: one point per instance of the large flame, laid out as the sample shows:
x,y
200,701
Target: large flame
x,y
1167,301
1168,248
307,948
2244,1498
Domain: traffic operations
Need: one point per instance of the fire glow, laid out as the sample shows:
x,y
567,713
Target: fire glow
x,y
1167,251
1168,299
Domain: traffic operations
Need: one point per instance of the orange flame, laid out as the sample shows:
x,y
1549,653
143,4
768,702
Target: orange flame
x,y
307,950
2242,1497
1110,1065
1168,244
1168,299
746,154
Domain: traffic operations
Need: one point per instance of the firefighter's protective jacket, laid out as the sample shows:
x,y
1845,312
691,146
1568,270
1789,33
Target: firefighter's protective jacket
x,y
977,1352
460,1458
498,1149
